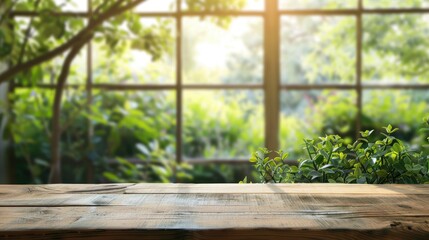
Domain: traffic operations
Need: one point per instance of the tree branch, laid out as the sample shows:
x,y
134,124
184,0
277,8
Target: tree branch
x,y
27,34
89,29
99,8
7,11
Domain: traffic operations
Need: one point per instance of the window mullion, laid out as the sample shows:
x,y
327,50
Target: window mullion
x,y
89,84
359,30
272,73
179,90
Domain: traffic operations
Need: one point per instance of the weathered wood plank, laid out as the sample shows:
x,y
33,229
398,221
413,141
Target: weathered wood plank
x,y
402,202
217,188
63,188
399,233
281,188
282,207
141,217
213,211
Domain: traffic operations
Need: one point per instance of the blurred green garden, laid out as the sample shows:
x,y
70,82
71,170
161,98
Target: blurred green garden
x,y
121,107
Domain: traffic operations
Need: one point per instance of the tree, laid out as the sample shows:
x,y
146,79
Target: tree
x,y
105,11
31,49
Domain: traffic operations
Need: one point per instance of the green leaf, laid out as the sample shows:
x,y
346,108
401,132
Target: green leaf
x,y
327,166
285,155
416,168
361,180
42,162
302,163
388,128
325,154
143,149
5,46
329,146
23,6
366,133
397,148
408,167
424,130
319,159
244,181
111,177
358,146
350,179
293,169
339,149
382,173
315,173
328,171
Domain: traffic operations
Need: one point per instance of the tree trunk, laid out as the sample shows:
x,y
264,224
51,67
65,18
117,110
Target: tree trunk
x,y
55,174
82,38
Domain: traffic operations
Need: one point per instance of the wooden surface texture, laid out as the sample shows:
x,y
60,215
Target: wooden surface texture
x,y
214,211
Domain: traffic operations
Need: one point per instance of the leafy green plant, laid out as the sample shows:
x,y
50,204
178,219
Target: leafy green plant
x,y
330,160
271,169
162,171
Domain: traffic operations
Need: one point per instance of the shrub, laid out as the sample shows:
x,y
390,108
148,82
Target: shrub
x,y
330,160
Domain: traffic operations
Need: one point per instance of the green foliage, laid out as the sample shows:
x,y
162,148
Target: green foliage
x,y
216,5
126,125
271,169
156,170
330,160
226,129
29,127
119,125
210,5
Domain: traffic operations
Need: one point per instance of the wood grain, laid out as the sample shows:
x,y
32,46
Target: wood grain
x,y
313,188
214,211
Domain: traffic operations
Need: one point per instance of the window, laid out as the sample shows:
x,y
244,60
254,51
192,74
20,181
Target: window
x,y
270,73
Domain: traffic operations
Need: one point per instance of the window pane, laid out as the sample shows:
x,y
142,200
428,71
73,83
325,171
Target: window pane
x,y
157,6
318,49
208,5
310,114
53,5
317,4
222,124
404,109
32,111
129,124
396,3
48,72
223,50
398,53
31,130
133,61
43,39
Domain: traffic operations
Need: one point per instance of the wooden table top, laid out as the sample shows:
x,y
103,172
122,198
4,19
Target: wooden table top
x,y
214,211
